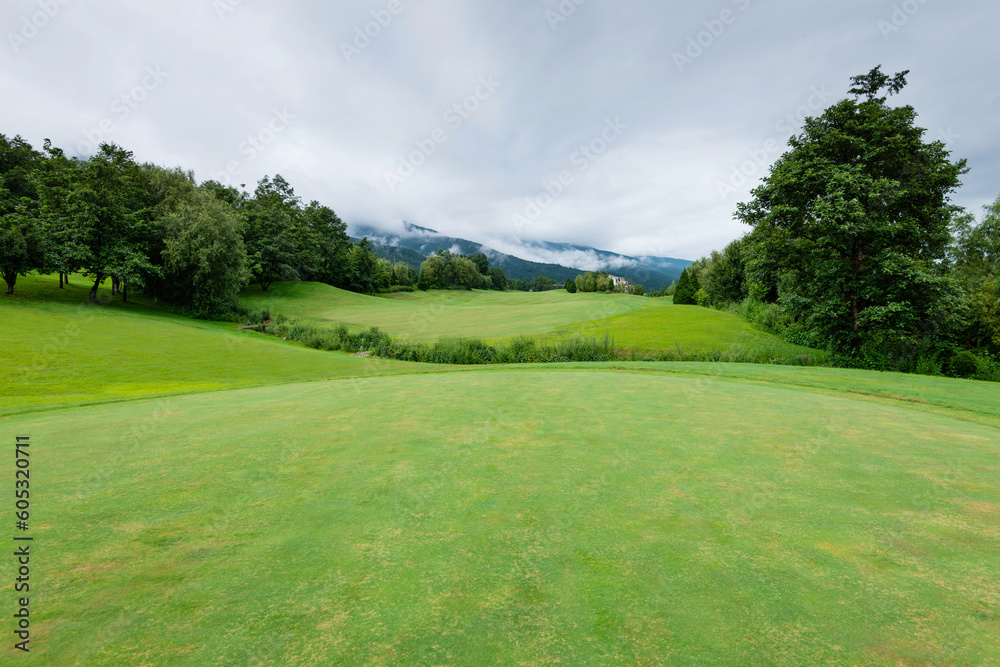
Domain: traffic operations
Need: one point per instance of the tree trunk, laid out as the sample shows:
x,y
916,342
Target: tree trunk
x,y
124,291
859,257
10,278
60,280
93,290
114,285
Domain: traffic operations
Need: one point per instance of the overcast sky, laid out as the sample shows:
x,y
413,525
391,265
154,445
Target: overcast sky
x,y
637,115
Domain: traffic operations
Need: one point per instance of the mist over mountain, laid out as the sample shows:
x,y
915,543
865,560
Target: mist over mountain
x,y
522,260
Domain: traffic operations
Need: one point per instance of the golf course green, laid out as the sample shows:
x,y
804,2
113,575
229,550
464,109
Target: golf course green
x,y
203,494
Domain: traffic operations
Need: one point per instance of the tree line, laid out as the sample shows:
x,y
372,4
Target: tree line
x,y
855,246
157,231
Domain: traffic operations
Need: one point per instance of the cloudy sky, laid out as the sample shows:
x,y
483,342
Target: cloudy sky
x,y
629,125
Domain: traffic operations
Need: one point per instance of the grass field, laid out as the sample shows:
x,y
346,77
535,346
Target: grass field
x,y
635,323
430,316
277,505
58,350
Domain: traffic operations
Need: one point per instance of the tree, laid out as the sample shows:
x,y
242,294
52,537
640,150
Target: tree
x,y
22,246
110,222
542,284
499,278
976,267
270,233
362,265
851,225
687,287
324,245
482,263
204,257
571,286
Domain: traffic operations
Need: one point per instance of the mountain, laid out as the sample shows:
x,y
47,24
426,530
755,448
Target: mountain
x,y
558,261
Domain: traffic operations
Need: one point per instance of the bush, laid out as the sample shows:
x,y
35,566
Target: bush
x,y
963,365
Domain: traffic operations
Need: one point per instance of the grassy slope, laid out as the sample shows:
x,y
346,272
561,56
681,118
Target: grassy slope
x,y
634,322
677,519
57,350
685,328
430,316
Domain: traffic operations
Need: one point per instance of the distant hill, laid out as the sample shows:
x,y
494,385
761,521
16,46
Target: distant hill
x,y
413,244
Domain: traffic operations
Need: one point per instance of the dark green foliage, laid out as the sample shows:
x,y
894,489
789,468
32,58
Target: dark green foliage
x,y
269,236
975,256
594,281
687,288
498,277
482,263
205,262
571,286
963,365
543,284
22,242
111,220
443,270
361,265
850,227
22,247
460,351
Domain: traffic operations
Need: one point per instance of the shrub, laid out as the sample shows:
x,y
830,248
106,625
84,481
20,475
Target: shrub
x,y
963,365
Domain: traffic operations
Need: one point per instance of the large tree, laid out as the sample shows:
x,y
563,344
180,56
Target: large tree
x,y
270,232
22,247
110,221
204,257
852,224
976,265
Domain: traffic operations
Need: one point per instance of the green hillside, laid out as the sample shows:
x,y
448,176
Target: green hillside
x,y
635,323
430,316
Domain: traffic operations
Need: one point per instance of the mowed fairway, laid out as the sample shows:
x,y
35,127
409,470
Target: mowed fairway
x,y
431,316
635,323
539,515
690,329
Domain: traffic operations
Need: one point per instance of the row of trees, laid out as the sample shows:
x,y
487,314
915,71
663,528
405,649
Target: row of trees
x,y
601,281
154,229
444,270
855,243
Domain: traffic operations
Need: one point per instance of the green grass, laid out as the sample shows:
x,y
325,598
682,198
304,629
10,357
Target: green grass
x,y
59,350
431,316
635,323
502,516
204,495
689,329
